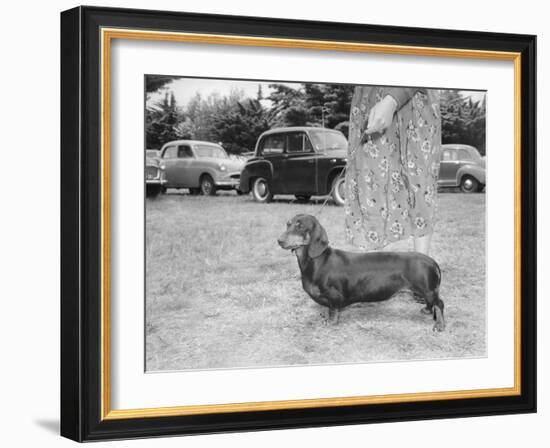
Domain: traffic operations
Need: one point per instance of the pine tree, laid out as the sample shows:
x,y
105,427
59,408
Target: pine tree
x,y
161,120
462,120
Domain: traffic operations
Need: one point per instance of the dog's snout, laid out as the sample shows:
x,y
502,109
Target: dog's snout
x,y
281,240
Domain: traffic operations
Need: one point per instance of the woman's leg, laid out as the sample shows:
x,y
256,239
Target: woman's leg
x,y
422,243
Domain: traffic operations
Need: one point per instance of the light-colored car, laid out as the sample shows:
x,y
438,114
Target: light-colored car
x,y
154,173
152,153
462,166
202,167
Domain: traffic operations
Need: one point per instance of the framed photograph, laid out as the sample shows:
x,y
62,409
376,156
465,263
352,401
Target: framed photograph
x,y
278,224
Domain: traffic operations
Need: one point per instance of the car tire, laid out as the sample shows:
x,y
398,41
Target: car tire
x,y
194,191
207,187
303,197
261,190
152,191
469,184
337,188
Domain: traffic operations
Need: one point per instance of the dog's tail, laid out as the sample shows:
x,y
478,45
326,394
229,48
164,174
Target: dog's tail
x,y
438,271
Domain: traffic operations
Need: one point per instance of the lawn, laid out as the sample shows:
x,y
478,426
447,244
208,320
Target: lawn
x,y
220,293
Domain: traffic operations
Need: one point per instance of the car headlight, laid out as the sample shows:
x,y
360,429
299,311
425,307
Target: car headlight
x,y
162,166
222,167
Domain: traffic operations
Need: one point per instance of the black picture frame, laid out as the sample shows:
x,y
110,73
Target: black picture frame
x,y
81,224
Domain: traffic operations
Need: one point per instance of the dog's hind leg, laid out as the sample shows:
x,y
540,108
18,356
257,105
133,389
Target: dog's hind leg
x,y
424,298
439,317
418,298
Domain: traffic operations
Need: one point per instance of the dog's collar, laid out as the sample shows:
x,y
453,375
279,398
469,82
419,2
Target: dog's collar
x,y
295,248
322,252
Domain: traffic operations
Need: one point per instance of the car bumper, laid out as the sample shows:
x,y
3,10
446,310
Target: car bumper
x,y
227,183
155,181
231,180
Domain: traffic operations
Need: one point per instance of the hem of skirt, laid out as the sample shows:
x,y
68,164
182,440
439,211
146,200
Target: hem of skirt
x,y
372,246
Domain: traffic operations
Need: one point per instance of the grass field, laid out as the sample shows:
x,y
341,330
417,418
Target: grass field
x,y
220,293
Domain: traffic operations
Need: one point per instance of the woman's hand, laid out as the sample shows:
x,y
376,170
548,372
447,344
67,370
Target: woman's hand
x,y
381,115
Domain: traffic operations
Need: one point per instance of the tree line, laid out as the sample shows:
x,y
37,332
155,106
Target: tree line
x,y
236,121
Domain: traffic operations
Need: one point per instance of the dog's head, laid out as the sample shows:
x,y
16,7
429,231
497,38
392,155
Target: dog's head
x,y
304,231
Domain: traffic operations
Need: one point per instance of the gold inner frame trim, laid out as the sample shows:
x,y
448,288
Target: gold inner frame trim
x,y
107,35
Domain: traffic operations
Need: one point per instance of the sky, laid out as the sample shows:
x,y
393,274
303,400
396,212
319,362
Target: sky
x,y
185,88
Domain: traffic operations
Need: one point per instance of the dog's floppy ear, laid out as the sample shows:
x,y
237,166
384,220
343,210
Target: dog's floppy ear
x,y
318,240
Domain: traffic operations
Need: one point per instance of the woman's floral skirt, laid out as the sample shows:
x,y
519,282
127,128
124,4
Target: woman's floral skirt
x,y
391,178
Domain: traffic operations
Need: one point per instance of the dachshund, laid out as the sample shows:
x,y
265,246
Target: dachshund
x,y
335,279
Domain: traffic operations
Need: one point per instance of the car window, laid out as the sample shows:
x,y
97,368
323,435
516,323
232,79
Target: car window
x,y
274,144
464,155
298,142
184,152
327,140
170,152
448,154
211,151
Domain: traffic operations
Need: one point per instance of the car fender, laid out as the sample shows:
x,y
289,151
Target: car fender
x,y
471,170
328,180
212,172
253,169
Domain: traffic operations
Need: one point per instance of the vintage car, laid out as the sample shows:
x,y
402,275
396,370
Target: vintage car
x,y
154,173
462,166
302,161
202,167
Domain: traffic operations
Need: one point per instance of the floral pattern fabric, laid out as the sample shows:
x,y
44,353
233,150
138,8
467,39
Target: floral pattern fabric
x,y
391,178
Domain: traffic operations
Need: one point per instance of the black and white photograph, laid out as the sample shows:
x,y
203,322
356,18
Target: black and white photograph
x,y
298,223
251,224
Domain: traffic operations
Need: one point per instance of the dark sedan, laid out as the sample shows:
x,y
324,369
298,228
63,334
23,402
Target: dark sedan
x,y
302,161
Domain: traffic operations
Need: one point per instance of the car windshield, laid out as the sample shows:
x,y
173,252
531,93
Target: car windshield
x,y
328,140
211,151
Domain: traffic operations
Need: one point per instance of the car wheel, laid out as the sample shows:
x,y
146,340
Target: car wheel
x,y
194,191
261,190
208,188
338,185
152,191
303,197
469,184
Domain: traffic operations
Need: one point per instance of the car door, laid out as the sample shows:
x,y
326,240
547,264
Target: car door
x,y
300,165
184,166
448,167
272,149
178,160
169,157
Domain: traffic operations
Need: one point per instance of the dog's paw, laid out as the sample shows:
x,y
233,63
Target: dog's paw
x,y
439,326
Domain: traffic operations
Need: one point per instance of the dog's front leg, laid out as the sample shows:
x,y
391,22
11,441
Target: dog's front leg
x,y
334,315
